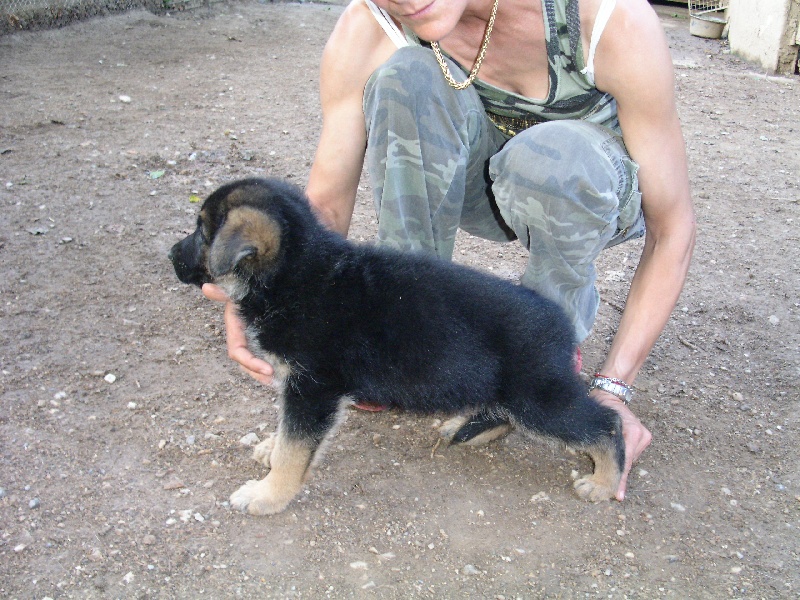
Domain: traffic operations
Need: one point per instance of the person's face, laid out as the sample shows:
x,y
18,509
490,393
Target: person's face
x,y
431,20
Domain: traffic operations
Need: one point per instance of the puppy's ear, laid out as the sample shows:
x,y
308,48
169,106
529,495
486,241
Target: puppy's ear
x,y
249,239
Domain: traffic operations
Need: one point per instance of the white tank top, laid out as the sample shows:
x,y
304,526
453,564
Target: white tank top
x,y
401,38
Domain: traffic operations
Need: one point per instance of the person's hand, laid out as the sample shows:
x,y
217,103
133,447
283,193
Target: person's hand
x,y
637,437
258,369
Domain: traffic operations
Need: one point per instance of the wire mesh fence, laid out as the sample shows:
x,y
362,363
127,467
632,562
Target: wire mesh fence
x,y
16,15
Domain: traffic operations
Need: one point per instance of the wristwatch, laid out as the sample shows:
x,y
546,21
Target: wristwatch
x,y
615,387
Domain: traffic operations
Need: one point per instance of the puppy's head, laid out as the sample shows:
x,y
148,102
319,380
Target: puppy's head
x,y
239,235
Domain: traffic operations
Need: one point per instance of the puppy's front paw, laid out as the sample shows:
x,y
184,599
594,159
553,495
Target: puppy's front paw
x,y
590,488
259,498
263,450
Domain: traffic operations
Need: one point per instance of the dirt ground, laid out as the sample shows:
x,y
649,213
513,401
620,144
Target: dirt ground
x,y
121,415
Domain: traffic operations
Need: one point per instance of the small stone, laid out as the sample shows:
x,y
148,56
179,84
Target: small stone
x,y
359,564
19,547
470,570
2,492
132,405
738,396
753,447
678,507
125,99
149,540
35,503
174,484
110,378
251,439
95,555
736,570
774,320
128,577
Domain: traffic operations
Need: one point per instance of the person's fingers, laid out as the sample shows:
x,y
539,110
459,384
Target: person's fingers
x,y
237,347
635,435
637,439
214,292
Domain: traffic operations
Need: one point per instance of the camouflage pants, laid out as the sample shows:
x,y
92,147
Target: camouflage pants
x,y
564,189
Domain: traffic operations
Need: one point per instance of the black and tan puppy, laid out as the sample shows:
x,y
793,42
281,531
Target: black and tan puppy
x,y
342,322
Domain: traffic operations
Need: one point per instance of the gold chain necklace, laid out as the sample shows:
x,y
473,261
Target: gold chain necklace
x,y
476,67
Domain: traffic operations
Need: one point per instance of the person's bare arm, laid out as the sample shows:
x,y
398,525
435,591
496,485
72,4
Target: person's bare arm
x,y
355,49
633,63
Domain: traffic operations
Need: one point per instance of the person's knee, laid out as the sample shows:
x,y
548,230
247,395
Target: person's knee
x,y
564,161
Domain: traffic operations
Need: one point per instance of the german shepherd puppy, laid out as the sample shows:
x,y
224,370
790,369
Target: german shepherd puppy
x,y
344,323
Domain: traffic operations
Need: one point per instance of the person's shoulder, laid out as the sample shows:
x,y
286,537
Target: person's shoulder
x,y
357,28
356,47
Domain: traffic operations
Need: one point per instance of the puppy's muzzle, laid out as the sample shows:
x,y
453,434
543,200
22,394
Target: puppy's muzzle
x,y
188,259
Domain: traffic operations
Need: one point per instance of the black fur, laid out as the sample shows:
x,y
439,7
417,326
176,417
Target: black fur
x,y
401,329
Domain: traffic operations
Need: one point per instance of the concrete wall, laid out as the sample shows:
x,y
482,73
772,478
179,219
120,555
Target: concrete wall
x,y
765,32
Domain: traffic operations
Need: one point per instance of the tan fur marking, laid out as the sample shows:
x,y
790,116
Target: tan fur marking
x,y
257,228
489,435
289,461
248,238
603,483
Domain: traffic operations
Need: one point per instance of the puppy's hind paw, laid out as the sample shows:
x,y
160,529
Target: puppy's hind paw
x,y
590,489
450,427
257,498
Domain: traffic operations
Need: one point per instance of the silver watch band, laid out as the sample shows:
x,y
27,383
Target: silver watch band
x,y
615,387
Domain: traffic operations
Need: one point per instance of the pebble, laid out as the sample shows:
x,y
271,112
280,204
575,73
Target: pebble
x,y
110,378
125,99
132,405
774,320
359,564
738,396
95,555
149,540
2,492
470,570
251,439
35,503
678,507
